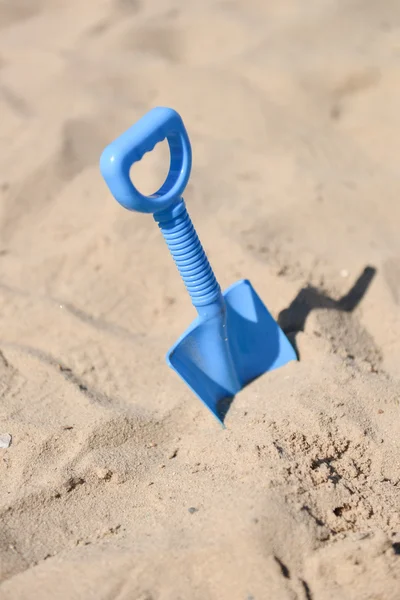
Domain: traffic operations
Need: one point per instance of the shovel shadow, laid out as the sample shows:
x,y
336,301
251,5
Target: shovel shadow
x,y
293,319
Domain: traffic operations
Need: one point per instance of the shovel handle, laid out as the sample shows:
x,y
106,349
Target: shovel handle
x,y
118,157
167,205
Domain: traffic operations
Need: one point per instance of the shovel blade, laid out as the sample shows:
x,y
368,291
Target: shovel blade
x,y
216,359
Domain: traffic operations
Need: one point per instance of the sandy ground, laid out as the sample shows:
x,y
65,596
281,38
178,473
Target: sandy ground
x,y
118,484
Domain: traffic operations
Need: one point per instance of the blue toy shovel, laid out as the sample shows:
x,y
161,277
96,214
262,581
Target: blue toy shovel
x,y
234,339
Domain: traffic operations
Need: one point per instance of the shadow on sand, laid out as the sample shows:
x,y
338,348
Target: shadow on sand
x,y
293,319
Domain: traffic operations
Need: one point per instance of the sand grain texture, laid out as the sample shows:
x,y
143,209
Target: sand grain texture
x,y
118,484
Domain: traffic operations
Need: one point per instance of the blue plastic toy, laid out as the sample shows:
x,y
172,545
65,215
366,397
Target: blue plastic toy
x,y
234,339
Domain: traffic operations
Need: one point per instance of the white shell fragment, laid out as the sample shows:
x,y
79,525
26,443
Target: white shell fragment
x,y
5,440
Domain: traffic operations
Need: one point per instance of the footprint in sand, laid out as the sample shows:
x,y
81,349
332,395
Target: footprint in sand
x,y
180,38
12,11
15,102
81,146
157,41
127,6
15,11
120,10
355,83
69,510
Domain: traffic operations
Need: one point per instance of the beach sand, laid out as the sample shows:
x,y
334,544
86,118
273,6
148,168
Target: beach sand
x,y
118,483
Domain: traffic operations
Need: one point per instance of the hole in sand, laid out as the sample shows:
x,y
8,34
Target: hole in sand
x,y
339,510
149,174
396,547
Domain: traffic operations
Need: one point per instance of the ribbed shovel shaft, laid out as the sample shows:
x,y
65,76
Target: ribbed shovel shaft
x,y
188,254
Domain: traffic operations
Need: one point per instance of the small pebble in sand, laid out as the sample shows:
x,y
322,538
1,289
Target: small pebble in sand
x,y
192,510
103,473
5,440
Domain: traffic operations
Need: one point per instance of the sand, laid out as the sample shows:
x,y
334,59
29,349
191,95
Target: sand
x,y
118,483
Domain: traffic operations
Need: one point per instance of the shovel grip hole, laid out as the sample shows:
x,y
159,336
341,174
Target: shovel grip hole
x,y
150,173
120,157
